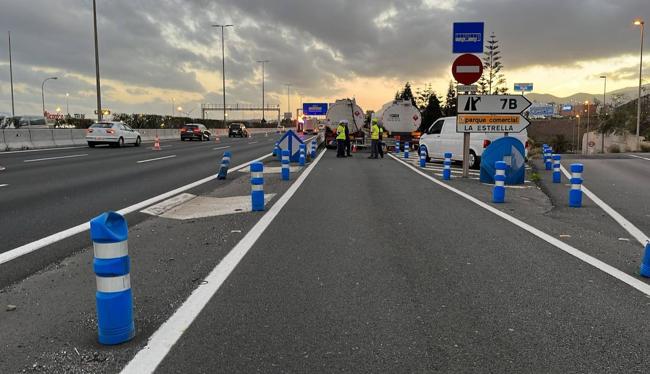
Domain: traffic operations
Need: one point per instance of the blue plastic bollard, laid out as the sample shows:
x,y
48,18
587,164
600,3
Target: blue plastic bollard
x,y
645,264
548,161
575,195
225,164
278,153
114,299
285,165
423,157
446,171
303,155
406,150
275,149
313,149
557,174
396,146
257,186
499,190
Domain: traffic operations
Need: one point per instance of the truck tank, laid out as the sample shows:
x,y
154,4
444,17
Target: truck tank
x,y
399,117
345,109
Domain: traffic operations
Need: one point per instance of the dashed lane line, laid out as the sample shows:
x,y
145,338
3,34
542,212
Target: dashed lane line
x,y
642,158
55,158
162,341
3,185
155,159
600,265
218,148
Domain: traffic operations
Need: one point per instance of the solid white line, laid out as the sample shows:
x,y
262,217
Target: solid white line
x,y
616,216
643,158
614,272
55,158
168,334
155,159
42,150
38,244
3,185
218,148
252,143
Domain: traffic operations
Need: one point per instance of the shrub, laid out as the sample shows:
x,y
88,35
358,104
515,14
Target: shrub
x,y
614,148
645,147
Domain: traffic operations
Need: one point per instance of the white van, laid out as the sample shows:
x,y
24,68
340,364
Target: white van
x,y
442,137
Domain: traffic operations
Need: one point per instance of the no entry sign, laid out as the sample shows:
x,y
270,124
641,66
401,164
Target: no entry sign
x,y
467,69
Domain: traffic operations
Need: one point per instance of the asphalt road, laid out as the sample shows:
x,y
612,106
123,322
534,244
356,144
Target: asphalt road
x,y
372,268
45,192
621,181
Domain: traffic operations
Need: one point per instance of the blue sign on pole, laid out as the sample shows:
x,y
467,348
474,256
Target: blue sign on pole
x,y
468,37
523,87
314,109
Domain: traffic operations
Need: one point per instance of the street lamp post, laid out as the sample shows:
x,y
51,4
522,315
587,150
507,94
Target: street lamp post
x,y
639,22
588,115
576,135
602,123
223,69
43,91
99,91
11,77
67,106
263,62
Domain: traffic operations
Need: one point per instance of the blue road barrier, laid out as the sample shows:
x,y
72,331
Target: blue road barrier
x,y
285,165
257,186
406,149
114,299
303,154
645,264
575,195
423,157
557,174
225,164
499,190
548,162
446,171
313,149
396,146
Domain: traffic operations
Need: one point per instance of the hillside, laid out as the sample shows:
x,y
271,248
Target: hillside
x,y
630,93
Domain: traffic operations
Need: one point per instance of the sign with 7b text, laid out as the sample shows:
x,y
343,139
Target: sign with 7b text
x,y
491,113
499,104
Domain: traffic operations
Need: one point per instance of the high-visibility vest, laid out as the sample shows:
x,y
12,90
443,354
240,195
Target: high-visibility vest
x,y
340,133
375,132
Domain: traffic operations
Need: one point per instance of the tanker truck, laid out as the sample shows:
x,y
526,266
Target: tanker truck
x,y
400,120
344,109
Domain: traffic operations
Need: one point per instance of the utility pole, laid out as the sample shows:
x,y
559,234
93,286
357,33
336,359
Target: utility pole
x,y
639,22
263,62
11,77
99,92
223,69
602,124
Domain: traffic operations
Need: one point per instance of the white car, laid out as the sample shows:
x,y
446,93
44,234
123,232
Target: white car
x,y
115,134
442,137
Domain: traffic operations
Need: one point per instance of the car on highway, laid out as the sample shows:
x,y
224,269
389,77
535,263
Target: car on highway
x,y
193,131
237,129
442,137
113,133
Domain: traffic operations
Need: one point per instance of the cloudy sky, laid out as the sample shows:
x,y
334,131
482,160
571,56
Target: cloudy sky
x,y
153,51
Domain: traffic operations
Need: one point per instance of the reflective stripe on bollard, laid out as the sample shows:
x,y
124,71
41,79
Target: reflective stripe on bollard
x,y
257,186
499,190
446,171
575,194
285,165
557,174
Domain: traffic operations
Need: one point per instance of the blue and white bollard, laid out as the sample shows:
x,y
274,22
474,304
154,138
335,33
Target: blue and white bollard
x,y
406,150
446,171
557,174
499,190
114,299
285,165
396,146
645,263
257,186
225,164
575,195
275,149
303,155
423,157
313,149
548,160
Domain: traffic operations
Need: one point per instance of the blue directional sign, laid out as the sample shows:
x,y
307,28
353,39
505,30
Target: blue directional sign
x,y
314,109
468,37
523,87
290,141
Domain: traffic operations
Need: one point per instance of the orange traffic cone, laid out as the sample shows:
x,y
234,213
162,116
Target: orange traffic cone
x,y
354,148
156,144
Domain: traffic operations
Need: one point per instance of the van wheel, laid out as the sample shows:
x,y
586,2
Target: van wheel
x,y
474,160
428,159
120,143
138,141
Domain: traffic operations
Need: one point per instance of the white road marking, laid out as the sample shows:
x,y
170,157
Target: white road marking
x,y
252,143
41,150
218,148
162,341
614,272
55,158
43,242
616,216
3,185
155,159
643,158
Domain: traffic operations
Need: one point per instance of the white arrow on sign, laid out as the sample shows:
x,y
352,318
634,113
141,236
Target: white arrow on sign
x,y
497,104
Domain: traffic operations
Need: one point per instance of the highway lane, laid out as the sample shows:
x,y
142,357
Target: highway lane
x,y
621,181
354,280
53,190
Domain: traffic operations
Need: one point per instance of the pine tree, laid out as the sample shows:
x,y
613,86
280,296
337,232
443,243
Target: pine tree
x,y
407,94
451,102
492,81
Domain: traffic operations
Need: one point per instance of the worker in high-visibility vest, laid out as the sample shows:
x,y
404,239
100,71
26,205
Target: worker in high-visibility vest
x,y
340,139
374,139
